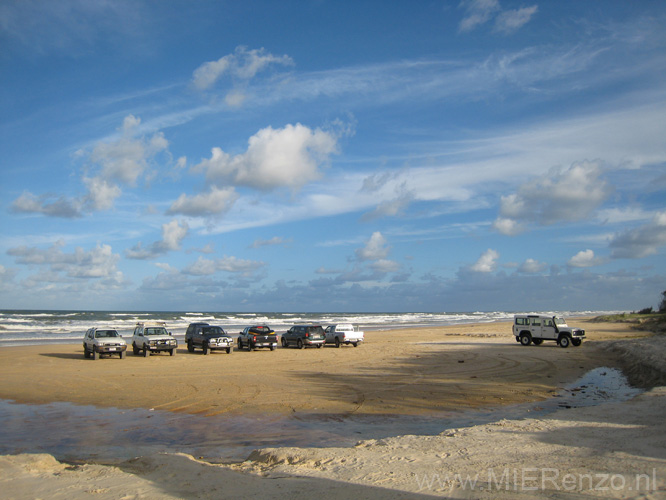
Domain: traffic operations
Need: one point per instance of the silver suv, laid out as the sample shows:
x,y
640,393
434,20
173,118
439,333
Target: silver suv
x,y
99,341
153,337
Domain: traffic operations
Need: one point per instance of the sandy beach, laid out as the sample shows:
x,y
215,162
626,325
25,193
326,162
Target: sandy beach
x,y
419,372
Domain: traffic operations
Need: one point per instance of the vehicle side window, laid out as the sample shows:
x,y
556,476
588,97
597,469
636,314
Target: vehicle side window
x,y
522,321
536,321
548,322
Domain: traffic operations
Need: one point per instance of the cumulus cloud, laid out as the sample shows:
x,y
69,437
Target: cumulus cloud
x,y
173,234
641,241
561,195
376,248
288,157
62,207
115,163
215,202
206,267
532,266
243,64
99,262
487,263
585,258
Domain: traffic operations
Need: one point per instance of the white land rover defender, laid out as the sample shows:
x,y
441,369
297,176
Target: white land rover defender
x,y
535,328
153,337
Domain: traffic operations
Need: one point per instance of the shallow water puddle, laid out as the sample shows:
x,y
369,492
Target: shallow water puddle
x,y
87,433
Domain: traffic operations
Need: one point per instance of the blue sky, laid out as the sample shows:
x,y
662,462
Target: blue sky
x,y
332,156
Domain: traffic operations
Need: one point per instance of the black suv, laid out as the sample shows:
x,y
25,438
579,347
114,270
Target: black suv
x,y
208,338
304,335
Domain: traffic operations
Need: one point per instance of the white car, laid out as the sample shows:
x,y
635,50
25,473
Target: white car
x,y
99,341
535,328
153,337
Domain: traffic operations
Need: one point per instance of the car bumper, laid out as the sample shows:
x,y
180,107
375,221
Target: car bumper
x,y
162,347
110,349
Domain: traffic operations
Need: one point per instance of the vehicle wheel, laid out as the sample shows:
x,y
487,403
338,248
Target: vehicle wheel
x,y
337,342
135,349
190,346
95,354
86,354
273,347
537,341
564,341
146,352
299,344
283,342
576,342
319,346
355,344
525,338
172,352
122,354
240,345
205,348
230,350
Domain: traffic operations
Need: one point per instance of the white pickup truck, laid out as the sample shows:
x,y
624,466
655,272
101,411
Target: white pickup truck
x,y
343,333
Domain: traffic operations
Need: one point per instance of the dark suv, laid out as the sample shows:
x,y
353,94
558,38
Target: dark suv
x,y
304,335
207,338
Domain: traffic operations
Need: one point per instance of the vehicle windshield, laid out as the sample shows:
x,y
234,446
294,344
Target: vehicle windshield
x,y
212,330
155,331
106,333
560,321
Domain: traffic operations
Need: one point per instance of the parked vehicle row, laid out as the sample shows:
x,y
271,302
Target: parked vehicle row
x,y
153,337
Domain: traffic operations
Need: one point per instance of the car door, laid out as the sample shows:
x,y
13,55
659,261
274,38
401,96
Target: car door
x,y
548,329
535,327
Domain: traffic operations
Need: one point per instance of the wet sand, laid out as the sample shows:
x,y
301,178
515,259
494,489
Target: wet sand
x,y
401,372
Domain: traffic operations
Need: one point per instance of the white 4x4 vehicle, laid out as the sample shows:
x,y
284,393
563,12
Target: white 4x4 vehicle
x,y
343,333
103,341
153,337
535,328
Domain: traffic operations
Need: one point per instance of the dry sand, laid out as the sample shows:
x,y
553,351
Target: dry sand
x,y
611,450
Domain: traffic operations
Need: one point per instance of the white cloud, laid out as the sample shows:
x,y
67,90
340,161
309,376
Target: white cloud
x,y
243,64
511,21
99,262
216,201
585,258
274,241
477,12
642,241
558,196
487,263
532,266
62,207
286,157
173,234
375,248
114,163
207,267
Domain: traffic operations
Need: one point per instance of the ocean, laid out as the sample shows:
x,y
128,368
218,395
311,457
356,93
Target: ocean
x,y
21,327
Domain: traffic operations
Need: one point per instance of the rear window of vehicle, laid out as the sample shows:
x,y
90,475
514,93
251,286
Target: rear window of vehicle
x,y
316,330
